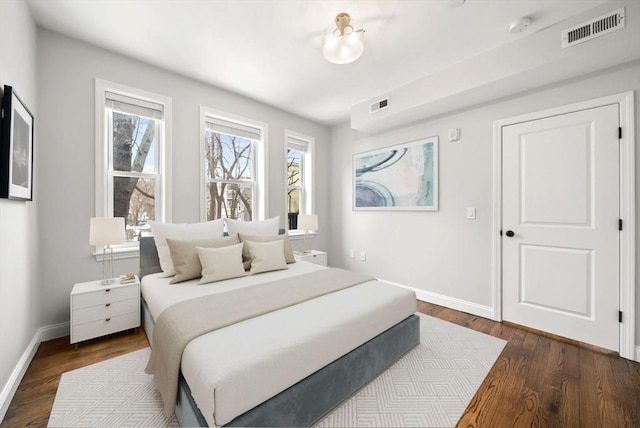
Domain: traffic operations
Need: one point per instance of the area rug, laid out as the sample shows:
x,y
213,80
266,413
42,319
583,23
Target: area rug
x,y
429,387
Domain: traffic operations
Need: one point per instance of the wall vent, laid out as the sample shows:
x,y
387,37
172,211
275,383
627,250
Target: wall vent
x,y
594,28
379,105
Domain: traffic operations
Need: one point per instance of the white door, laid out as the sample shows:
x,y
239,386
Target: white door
x,y
560,241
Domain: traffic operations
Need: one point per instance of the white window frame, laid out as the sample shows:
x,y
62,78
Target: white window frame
x,y
259,159
103,166
307,194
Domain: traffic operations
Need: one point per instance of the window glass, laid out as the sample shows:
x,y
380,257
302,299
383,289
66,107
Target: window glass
x,y
230,152
299,177
131,185
294,186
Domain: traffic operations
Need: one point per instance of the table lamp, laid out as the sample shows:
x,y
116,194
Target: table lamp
x,y
307,222
105,232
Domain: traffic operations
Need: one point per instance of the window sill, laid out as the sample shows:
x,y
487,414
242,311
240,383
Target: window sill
x,y
297,234
119,253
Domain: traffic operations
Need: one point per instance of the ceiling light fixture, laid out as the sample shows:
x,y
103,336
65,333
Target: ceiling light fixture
x,y
344,44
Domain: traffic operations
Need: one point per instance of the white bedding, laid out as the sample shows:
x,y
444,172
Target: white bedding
x,y
232,370
159,294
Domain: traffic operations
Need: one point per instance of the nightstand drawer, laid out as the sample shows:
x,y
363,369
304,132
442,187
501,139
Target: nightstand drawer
x,y
316,257
104,296
319,259
104,326
107,310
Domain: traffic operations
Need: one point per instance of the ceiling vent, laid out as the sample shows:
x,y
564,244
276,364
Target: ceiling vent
x,y
379,105
594,28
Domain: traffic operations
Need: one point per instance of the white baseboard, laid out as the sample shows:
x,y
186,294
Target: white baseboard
x,y
54,331
42,335
12,384
449,302
638,354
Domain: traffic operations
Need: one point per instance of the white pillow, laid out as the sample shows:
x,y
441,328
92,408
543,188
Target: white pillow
x,y
221,263
266,256
263,227
162,231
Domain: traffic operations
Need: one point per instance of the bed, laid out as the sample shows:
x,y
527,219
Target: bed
x,y
289,367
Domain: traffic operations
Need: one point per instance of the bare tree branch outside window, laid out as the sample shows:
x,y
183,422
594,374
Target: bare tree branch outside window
x,y
230,176
133,196
294,186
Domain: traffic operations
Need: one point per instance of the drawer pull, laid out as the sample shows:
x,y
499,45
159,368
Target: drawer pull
x,y
107,290
108,304
108,319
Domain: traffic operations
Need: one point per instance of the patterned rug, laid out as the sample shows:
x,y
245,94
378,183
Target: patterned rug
x,y
430,386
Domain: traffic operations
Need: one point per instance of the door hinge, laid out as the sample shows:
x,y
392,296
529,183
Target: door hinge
x,y
620,133
619,224
619,316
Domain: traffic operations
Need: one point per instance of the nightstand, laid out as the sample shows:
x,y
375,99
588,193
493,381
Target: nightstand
x,y
312,256
98,310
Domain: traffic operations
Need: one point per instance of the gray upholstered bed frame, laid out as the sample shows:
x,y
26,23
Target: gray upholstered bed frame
x,y
312,398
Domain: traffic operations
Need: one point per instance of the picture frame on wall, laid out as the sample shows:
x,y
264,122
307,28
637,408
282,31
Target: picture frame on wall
x,y
16,148
397,178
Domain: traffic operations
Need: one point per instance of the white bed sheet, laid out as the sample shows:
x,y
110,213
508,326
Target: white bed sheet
x,y
233,369
159,294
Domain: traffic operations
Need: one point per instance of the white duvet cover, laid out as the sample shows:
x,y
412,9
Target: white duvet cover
x,y
233,369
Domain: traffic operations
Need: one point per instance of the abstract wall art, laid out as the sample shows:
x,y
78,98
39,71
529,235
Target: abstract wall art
x,y
400,178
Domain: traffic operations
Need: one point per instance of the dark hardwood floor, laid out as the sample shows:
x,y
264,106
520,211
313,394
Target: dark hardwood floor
x,y
538,381
33,400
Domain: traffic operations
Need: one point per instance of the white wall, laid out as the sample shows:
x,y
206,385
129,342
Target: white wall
x,y
66,72
19,290
442,252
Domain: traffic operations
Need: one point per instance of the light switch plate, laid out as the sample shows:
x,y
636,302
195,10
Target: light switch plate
x,y
454,134
471,213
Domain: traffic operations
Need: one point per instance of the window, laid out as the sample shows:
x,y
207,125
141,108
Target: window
x,y
299,176
233,167
132,168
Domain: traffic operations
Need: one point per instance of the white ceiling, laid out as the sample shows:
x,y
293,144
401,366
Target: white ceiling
x,y
270,50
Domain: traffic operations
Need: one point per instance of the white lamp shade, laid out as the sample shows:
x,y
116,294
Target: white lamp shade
x,y
343,49
106,231
308,222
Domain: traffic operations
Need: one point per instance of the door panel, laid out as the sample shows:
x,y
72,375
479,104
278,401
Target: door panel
x,y
546,157
560,200
556,278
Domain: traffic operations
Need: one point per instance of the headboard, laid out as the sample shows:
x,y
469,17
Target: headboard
x,y
149,261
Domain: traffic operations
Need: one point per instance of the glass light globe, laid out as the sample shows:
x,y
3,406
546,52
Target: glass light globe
x,y
343,49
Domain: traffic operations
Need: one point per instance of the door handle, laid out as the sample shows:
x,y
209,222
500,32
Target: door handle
x,y
509,233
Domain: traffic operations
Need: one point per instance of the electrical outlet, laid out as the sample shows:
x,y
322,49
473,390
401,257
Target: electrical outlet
x,y
352,253
363,256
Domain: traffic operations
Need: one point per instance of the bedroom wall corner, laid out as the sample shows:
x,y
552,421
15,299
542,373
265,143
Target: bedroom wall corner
x,y
442,253
19,289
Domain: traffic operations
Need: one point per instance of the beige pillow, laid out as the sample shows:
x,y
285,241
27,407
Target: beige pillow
x,y
266,256
183,231
185,256
246,257
221,263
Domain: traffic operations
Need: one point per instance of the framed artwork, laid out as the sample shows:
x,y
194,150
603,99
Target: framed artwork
x,y
398,178
16,148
